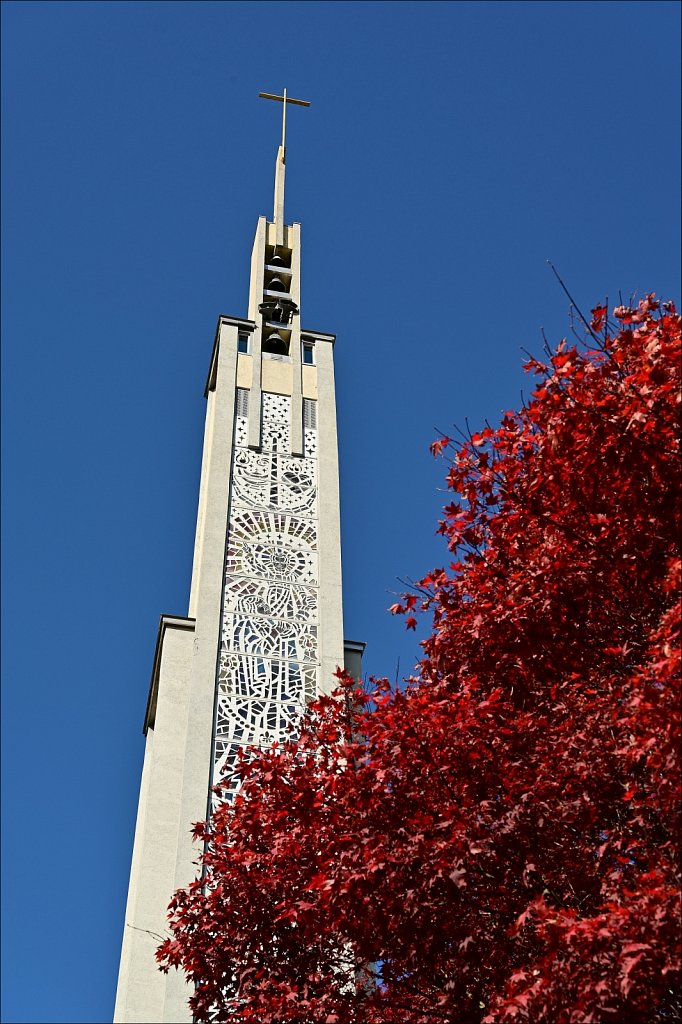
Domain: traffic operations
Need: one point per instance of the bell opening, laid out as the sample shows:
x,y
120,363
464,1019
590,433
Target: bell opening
x,y
275,345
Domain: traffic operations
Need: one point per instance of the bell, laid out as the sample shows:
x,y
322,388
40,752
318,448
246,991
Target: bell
x,y
276,261
276,285
276,344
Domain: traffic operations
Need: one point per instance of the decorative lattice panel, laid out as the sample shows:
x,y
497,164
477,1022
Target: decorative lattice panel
x,y
272,481
275,600
226,759
241,430
275,528
271,546
255,721
265,678
310,443
268,657
276,423
270,638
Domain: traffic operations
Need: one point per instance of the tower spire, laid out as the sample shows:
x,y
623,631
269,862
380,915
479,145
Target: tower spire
x,y
264,632
278,213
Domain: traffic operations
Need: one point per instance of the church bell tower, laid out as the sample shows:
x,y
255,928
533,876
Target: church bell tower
x,y
264,632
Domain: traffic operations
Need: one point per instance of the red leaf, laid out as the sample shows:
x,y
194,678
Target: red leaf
x,y
436,447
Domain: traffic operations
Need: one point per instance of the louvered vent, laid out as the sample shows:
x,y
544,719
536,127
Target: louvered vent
x,y
242,402
309,414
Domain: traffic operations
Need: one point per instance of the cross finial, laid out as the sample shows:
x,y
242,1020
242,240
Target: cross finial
x,y
284,100
278,215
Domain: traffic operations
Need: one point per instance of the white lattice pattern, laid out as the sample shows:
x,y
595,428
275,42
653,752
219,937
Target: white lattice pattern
x,y
272,481
264,678
226,760
268,658
276,528
241,431
255,721
275,600
270,638
272,546
310,443
279,561
276,423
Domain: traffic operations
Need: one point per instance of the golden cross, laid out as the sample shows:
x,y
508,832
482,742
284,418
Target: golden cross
x,y
284,100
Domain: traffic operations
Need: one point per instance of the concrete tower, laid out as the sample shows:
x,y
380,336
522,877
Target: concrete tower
x,y
263,633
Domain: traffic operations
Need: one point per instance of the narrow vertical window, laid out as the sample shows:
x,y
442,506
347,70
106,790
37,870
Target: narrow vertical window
x,y
242,402
308,353
309,414
243,343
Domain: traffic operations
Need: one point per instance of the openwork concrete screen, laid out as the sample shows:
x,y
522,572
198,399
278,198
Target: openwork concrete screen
x,y
268,654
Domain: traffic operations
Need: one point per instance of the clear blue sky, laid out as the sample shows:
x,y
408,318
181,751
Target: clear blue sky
x,y
449,150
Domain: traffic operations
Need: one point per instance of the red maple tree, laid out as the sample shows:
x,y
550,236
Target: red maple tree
x,y
499,840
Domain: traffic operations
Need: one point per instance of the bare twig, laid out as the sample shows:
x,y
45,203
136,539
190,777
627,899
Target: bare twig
x,y
154,935
575,305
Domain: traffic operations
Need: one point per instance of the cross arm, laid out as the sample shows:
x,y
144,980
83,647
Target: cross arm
x,y
271,96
